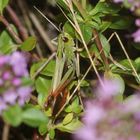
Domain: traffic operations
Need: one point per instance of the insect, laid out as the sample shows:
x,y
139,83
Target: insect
x,y
57,98
63,75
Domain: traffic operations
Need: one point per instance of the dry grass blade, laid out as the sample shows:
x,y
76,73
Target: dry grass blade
x,y
77,28
43,65
126,54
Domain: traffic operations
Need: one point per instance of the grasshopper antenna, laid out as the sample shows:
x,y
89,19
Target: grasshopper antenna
x,y
47,19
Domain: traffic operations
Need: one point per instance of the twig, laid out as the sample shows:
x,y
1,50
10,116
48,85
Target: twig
x,y
43,66
28,23
5,133
127,56
10,30
79,83
17,23
42,32
100,47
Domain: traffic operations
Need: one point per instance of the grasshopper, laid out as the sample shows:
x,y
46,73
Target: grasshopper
x,y
64,73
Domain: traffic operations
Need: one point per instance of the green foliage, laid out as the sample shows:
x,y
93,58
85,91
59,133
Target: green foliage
x,y
120,22
48,70
70,127
42,86
43,129
94,50
6,43
49,79
28,44
13,115
68,118
3,4
105,8
52,133
34,117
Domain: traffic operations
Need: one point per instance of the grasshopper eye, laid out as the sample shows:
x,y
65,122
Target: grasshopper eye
x,y
65,39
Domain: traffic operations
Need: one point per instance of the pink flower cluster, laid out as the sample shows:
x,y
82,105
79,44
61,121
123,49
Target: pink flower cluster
x,y
105,118
13,68
134,6
136,35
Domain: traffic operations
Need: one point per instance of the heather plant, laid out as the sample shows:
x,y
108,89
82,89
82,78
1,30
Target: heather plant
x,y
84,83
134,6
106,118
13,85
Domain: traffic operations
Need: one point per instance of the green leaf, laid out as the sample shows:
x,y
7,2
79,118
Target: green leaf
x,y
94,50
120,22
13,115
69,29
68,109
34,117
86,32
104,25
6,43
120,81
52,134
127,65
28,44
76,107
106,8
42,85
137,61
136,45
3,4
26,81
48,69
43,129
105,44
84,83
68,118
41,99
71,127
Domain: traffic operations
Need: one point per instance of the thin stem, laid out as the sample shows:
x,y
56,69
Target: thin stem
x,y
10,30
42,32
84,2
15,19
28,23
75,90
80,8
84,43
5,133
100,47
43,66
127,56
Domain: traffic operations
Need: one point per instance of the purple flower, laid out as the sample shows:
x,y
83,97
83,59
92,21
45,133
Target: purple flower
x,y
3,105
93,113
24,94
131,105
19,64
6,75
13,70
108,89
1,82
4,59
16,81
110,119
118,1
136,36
10,97
137,22
85,133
